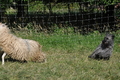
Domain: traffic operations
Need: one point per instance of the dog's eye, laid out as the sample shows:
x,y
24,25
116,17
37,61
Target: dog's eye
x,y
106,38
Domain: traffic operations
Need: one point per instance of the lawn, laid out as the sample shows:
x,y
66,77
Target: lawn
x,y
67,59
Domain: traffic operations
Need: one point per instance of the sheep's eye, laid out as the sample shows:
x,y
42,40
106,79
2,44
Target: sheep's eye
x,y
3,25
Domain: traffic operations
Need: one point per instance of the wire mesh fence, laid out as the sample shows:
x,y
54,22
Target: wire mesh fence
x,y
82,16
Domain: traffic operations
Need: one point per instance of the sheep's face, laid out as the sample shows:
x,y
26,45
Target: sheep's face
x,y
2,25
3,28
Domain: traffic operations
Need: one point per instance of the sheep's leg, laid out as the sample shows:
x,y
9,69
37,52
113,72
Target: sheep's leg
x,y
3,56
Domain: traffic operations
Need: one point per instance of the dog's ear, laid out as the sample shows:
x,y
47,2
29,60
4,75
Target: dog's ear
x,y
107,34
113,36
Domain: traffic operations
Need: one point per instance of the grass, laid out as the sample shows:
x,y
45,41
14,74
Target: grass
x,y
67,59
39,6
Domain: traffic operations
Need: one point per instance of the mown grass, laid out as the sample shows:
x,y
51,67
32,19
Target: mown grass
x,y
67,59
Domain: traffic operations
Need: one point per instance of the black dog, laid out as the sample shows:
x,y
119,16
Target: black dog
x,y
104,50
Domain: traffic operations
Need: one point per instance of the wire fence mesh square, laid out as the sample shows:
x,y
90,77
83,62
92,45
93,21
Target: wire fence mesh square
x,y
83,16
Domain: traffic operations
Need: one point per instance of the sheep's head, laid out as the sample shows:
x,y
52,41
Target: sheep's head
x,y
2,25
3,29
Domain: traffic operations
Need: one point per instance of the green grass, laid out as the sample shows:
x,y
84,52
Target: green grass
x,y
39,6
67,59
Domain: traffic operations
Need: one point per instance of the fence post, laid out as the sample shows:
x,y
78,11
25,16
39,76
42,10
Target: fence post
x,y
21,8
110,16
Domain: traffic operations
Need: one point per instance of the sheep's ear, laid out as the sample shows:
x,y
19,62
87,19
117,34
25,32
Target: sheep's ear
x,y
1,25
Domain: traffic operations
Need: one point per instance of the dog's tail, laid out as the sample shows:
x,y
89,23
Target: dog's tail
x,y
89,56
92,55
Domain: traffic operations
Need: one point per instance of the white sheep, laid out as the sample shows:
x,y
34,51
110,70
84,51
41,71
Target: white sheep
x,y
18,48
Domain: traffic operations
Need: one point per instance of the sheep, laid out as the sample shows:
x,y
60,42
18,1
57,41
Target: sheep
x,y
18,48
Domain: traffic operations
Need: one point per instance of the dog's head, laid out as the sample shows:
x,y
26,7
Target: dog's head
x,y
108,39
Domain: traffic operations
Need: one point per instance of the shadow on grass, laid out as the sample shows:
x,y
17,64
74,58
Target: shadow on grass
x,y
14,60
9,59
